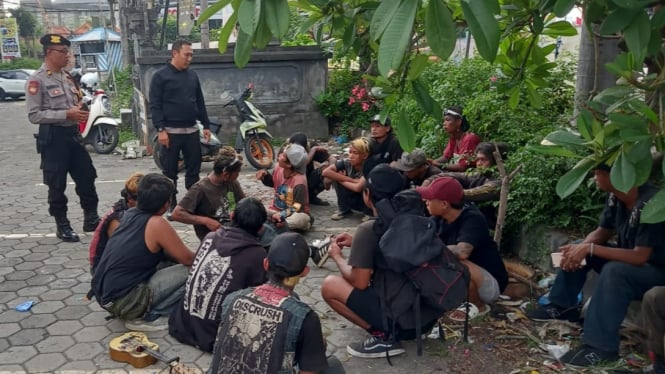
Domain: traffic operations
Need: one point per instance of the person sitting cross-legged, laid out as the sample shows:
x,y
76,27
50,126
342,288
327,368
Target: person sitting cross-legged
x,y
626,271
315,153
290,206
464,231
415,168
268,329
135,279
229,259
209,202
348,181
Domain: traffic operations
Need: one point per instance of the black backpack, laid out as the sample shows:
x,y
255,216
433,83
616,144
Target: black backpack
x,y
433,279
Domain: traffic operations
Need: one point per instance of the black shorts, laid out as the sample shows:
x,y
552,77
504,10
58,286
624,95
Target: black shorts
x,y
366,304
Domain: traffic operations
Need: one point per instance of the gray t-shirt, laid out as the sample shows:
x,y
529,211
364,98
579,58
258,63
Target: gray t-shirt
x,y
364,246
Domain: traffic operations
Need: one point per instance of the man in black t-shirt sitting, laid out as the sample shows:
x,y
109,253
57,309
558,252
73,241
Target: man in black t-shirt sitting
x,y
384,146
464,230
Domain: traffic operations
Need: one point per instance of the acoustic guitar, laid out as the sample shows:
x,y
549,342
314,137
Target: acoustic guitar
x,y
135,349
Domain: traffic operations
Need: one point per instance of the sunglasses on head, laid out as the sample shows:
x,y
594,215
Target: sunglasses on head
x,y
233,163
449,112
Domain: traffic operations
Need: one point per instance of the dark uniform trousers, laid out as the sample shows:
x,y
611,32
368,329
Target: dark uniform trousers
x,y
62,152
191,152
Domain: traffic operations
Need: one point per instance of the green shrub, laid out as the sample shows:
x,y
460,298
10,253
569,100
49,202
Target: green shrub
x,y
121,95
532,200
21,63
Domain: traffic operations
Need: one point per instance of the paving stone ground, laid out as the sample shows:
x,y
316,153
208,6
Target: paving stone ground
x,y
63,332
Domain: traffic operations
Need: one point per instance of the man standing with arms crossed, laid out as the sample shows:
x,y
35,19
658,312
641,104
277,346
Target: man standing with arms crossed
x,y
54,103
176,102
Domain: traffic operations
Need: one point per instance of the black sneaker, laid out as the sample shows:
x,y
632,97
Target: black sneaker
x,y
318,201
587,355
319,251
375,347
551,311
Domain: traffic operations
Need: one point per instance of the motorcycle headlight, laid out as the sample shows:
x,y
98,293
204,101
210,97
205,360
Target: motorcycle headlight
x,y
106,104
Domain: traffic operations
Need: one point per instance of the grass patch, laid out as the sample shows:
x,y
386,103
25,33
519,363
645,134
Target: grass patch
x,y
126,135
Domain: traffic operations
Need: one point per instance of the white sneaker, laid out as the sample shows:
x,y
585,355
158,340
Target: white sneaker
x,y
161,323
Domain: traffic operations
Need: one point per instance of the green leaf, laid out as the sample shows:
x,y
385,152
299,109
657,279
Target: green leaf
x,y
617,21
424,99
212,9
417,66
249,15
563,7
514,98
559,28
440,29
637,34
654,210
262,35
640,156
564,138
484,27
383,14
396,38
406,133
623,174
243,49
553,150
569,182
658,19
584,121
277,16
226,32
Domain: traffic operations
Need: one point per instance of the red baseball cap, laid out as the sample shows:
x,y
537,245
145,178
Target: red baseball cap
x,y
443,188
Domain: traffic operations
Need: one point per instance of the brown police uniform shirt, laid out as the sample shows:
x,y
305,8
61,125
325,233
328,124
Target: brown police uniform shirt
x,y
49,95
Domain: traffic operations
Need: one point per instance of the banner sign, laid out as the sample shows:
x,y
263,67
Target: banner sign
x,y
10,40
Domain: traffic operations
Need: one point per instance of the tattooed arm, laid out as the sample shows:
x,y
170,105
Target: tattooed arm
x,y
462,250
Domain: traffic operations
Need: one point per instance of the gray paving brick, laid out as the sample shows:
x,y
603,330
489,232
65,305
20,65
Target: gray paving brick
x,y
51,295
37,320
69,273
11,316
72,312
27,337
49,269
17,253
48,306
91,334
12,285
7,261
95,319
77,299
55,344
7,329
63,283
82,287
30,265
33,291
4,343
64,327
44,248
56,260
36,256
6,296
13,369
41,280
77,367
83,351
45,362
6,270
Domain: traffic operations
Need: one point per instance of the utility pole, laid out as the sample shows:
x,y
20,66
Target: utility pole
x,y
205,29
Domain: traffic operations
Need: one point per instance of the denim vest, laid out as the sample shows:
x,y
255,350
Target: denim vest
x,y
239,306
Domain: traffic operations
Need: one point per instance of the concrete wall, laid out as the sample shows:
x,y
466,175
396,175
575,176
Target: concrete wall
x,y
286,81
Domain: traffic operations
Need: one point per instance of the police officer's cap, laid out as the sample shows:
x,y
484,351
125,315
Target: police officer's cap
x,y
54,39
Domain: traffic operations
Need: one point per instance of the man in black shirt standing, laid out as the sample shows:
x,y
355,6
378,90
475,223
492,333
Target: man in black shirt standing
x,y
176,102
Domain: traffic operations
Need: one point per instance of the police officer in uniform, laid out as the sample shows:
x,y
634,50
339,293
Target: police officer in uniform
x,y
54,103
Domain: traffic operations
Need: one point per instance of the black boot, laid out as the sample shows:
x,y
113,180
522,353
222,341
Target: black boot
x,y
64,230
90,220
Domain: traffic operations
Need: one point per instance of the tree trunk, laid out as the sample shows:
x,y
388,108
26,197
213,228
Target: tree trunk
x,y
592,76
127,58
112,12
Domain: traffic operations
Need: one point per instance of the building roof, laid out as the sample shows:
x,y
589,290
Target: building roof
x,y
97,34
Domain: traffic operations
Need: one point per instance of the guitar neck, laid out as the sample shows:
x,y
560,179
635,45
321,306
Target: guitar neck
x,y
160,356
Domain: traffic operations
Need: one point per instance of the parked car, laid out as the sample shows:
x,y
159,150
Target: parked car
x,y
12,82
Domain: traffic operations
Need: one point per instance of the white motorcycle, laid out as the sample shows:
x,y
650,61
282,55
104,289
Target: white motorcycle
x,y
100,130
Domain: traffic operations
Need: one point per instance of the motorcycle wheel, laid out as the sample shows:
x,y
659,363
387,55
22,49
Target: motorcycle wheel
x,y
259,151
157,154
105,138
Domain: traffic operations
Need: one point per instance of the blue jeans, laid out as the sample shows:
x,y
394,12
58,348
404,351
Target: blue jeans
x,y
618,284
168,287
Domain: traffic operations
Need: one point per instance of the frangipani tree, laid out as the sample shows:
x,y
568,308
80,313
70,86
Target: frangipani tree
x,y
621,126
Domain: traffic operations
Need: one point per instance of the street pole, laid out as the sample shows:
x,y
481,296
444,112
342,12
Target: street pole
x,y
205,29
